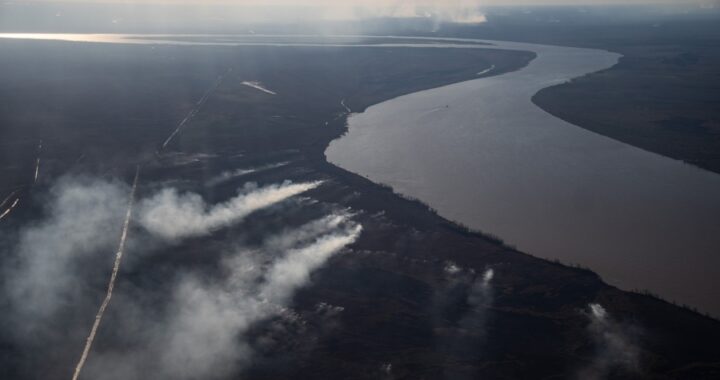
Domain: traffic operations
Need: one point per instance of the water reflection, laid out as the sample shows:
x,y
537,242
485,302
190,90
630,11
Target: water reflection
x,y
481,153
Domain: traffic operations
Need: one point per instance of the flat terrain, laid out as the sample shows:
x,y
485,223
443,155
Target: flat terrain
x,y
405,286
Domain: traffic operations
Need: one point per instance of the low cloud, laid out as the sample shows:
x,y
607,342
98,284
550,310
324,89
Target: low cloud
x,y
172,215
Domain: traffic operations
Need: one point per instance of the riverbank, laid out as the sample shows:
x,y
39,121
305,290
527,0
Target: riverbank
x,y
473,150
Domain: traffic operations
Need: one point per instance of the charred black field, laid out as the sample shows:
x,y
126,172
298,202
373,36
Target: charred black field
x,y
413,296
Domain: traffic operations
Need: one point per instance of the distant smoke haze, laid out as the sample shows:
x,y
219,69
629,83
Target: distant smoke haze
x,y
169,12
268,16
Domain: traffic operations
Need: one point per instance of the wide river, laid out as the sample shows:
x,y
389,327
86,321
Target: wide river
x,y
481,153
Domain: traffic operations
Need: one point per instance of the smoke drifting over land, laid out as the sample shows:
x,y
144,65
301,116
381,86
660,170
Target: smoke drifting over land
x,y
189,328
614,347
173,216
232,174
200,336
472,293
479,298
84,216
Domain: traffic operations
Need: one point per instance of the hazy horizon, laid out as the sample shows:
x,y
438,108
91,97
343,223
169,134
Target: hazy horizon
x,y
168,16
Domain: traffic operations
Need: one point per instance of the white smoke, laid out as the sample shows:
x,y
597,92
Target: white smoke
x,y
201,334
228,175
327,310
480,297
460,11
295,268
111,282
84,219
613,344
173,216
487,277
306,233
232,174
194,328
451,268
474,293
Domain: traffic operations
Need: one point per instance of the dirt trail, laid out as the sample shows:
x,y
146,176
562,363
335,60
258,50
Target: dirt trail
x,y
197,108
111,284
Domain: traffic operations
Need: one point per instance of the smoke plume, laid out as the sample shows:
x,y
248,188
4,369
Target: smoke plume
x,y
615,350
174,216
83,218
479,298
232,174
474,292
200,336
192,325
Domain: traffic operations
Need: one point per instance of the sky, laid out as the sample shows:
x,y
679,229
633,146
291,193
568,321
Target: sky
x,y
376,3
124,15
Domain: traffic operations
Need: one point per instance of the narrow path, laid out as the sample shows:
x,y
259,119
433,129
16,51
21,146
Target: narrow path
x,y
37,162
111,284
9,197
37,170
258,86
9,209
196,109
121,248
489,69
15,192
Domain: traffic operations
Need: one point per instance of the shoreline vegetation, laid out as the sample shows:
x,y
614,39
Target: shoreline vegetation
x,y
462,228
